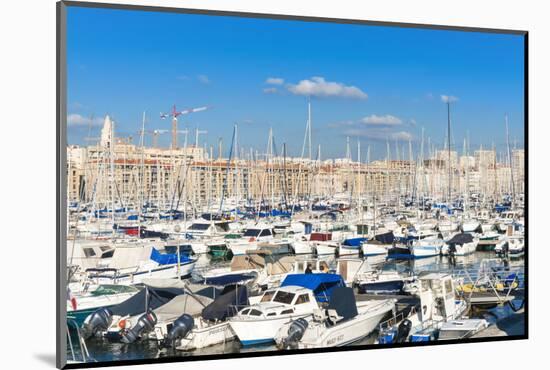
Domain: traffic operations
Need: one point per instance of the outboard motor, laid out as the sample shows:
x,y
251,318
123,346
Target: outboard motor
x,y
295,333
181,327
403,331
97,321
145,324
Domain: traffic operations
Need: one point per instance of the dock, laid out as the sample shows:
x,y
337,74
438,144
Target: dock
x,y
509,325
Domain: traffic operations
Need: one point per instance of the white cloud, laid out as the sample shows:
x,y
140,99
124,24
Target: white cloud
x,y
274,81
270,90
388,119
318,86
448,98
379,133
203,79
401,136
75,119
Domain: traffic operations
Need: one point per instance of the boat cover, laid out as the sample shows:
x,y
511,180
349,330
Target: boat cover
x,y
154,297
343,301
273,264
322,284
224,280
186,303
354,242
168,258
386,238
227,304
462,238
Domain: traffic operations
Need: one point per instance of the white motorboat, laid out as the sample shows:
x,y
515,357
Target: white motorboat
x,y
470,226
374,248
253,235
210,327
461,328
421,322
343,322
428,247
461,244
82,304
260,322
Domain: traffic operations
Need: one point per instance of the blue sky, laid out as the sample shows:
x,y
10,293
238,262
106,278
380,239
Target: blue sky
x,y
372,83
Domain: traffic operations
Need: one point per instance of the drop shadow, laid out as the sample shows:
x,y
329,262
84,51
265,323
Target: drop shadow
x,y
46,358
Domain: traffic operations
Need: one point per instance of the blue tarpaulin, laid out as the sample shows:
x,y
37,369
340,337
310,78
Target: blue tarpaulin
x,y
168,259
321,284
354,242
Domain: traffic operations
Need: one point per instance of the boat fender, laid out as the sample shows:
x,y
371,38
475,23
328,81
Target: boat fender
x,y
181,327
145,324
296,331
97,321
403,331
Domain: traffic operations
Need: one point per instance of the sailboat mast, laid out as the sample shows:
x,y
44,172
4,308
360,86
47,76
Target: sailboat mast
x,y
510,160
449,146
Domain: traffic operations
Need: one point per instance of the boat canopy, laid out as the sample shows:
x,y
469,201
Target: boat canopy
x,y
343,301
321,284
462,238
186,303
227,304
151,297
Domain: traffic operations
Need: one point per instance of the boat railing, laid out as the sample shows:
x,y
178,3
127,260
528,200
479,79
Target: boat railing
x,y
85,354
501,283
396,319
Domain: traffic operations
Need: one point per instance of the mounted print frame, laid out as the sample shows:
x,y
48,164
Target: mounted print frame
x,y
236,184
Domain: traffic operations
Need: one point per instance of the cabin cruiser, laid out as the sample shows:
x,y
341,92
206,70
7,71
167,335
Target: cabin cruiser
x,y
164,301
250,239
470,225
323,244
297,297
264,268
342,322
351,246
507,218
82,304
381,282
147,299
460,244
211,327
427,247
447,225
131,264
379,245
422,320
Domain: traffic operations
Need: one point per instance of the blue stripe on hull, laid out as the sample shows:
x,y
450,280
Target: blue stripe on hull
x,y
253,342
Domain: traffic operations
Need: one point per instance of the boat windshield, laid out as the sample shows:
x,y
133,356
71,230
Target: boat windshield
x,y
199,227
112,289
252,232
267,296
283,297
